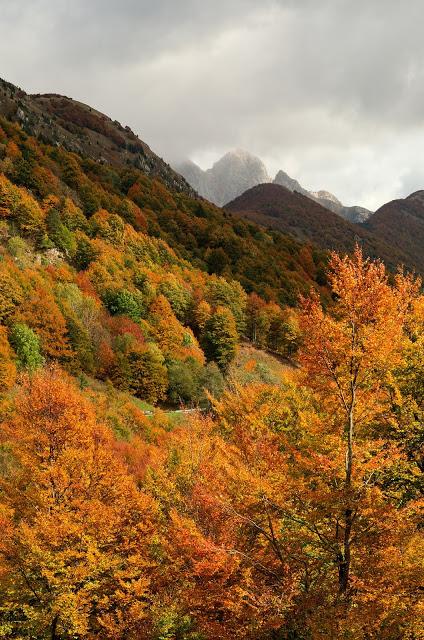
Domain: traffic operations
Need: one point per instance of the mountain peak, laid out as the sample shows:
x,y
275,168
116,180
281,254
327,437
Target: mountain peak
x,y
241,154
229,176
239,170
284,180
326,195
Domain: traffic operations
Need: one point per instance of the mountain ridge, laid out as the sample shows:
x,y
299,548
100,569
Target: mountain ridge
x,y
65,123
79,128
401,223
295,214
239,170
269,264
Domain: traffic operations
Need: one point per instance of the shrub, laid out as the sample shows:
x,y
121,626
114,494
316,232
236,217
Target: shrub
x,y
27,347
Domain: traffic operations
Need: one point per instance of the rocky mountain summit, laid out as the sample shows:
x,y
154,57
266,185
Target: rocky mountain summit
x,y
284,180
240,170
230,176
61,121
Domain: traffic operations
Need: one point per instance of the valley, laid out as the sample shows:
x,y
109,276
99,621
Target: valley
x,y
211,419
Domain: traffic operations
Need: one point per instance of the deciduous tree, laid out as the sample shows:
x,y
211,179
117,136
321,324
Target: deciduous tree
x,y
220,337
76,549
7,364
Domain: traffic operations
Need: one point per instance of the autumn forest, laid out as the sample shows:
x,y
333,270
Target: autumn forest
x,y
209,430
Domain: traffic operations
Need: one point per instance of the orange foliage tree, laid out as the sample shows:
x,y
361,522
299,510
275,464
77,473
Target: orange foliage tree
x,y
174,340
348,358
296,482
77,536
41,312
7,364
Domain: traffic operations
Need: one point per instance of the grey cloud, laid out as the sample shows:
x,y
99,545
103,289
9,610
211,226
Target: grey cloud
x,y
332,90
410,179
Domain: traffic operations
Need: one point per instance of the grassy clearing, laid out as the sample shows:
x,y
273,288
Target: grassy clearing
x,y
250,365
98,386
254,365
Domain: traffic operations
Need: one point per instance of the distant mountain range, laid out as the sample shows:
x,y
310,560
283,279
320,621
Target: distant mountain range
x,y
325,199
239,170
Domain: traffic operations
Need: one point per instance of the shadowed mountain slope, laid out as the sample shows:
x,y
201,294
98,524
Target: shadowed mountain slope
x,y
276,207
400,223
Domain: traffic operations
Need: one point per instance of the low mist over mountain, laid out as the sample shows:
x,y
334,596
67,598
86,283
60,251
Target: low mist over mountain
x,y
240,170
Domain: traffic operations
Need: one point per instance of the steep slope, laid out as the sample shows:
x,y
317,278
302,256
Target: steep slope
x,y
88,278
324,198
284,180
231,175
401,223
271,264
61,121
293,213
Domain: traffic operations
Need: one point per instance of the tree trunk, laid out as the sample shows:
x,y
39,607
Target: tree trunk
x,y
344,562
345,557
53,635
349,450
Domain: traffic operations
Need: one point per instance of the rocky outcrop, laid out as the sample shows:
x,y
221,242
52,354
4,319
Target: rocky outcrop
x,y
230,176
61,121
325,199
284,180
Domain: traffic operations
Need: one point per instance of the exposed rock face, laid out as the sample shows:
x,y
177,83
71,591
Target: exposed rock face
x,y
197,178
239,170
356,214
284,180
326,195
325,199
230,176
61,121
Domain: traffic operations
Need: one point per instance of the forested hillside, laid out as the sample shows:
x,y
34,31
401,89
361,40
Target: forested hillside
x,y
295,214
61,121
292,511
401,224
287,505
86,267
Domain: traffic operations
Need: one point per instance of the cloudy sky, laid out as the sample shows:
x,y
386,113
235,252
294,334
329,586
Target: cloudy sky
x,y
331,91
